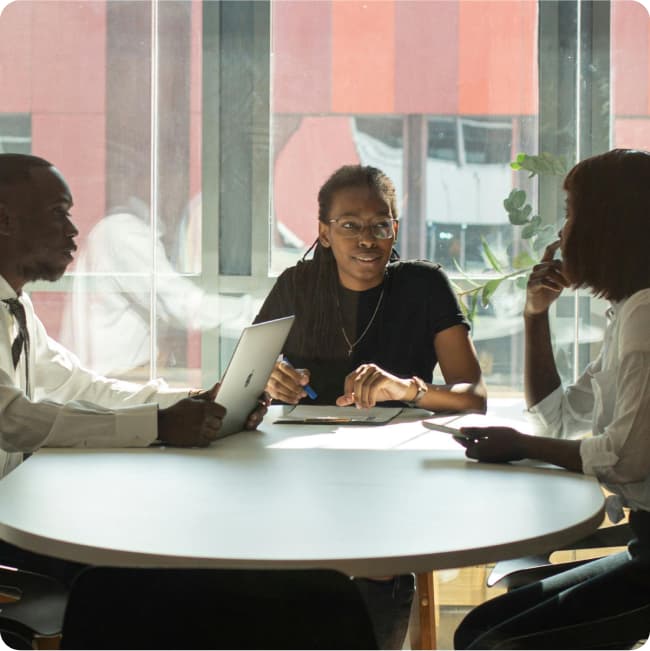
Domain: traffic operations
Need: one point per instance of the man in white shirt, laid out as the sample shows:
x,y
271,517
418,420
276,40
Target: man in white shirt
x,y
46,397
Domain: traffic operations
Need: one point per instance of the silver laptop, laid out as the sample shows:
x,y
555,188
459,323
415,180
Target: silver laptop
x,y
249,369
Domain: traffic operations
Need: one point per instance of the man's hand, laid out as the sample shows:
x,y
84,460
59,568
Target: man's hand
x,y
254,418
493,444
546,282
205,394
191,422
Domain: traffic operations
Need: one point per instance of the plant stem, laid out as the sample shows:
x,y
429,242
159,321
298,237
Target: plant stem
x,y
512,274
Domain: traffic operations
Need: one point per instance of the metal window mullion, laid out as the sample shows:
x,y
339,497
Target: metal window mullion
x,y
153,192
574,97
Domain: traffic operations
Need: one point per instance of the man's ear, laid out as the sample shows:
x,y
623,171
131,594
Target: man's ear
x,y
396,224
323,234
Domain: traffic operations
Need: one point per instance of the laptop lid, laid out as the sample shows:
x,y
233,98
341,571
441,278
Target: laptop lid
x,y
249,369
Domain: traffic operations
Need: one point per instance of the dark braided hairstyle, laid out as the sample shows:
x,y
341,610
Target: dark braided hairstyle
x,y
317,281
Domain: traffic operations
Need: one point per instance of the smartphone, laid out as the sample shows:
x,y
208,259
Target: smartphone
x,y
459,435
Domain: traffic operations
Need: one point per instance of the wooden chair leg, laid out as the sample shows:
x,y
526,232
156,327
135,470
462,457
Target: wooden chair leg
x,y
426,639
46,642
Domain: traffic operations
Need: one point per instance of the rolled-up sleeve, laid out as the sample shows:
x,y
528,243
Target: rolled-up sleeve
x,y
621,455
566,413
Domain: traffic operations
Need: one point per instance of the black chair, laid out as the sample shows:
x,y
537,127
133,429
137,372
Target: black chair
x,y
516,572
117,608
32,610
623,631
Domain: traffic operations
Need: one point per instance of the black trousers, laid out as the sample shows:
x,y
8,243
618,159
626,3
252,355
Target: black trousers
x,y
603,604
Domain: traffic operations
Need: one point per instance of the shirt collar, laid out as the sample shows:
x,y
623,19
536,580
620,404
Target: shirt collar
x,y
615,308
6,290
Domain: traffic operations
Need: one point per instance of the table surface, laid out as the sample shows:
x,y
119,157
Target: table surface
x,y
364,500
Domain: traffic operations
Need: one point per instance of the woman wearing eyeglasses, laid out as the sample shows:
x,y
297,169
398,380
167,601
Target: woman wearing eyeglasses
x,y
370,328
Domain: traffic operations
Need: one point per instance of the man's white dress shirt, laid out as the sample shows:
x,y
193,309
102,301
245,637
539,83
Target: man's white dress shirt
x,y
612,400
70,406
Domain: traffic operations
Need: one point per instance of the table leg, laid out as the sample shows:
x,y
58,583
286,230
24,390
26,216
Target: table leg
x,y
427,612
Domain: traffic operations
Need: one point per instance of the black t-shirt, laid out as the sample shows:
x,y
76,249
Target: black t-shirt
x,y
417,302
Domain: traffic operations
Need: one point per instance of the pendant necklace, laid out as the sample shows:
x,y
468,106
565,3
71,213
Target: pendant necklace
x,y
351,345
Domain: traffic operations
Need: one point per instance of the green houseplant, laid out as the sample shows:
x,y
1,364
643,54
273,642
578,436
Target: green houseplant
x,y
534,236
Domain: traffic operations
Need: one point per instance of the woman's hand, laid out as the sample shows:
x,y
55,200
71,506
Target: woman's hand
x,y
493,444
286,383
370,384
546,282
503,444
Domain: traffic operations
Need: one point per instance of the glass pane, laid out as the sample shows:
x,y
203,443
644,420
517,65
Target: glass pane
x,y
111,93
445,91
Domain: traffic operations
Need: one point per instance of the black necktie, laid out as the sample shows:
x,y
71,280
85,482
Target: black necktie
x,y
22,338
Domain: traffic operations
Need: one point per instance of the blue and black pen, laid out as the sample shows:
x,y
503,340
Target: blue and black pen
x,y
308,390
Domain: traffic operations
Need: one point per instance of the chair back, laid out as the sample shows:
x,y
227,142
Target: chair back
x,y
118,608
33,605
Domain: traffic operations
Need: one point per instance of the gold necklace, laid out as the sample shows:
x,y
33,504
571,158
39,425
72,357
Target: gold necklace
x,y
363,334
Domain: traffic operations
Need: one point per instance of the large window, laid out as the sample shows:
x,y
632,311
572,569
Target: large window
x,y
195,136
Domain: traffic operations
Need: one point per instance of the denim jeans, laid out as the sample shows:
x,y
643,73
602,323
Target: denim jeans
x,y
603,604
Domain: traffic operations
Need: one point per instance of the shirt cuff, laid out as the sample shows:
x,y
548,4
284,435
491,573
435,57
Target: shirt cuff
x,y
597,456
543,415
137,426
166,397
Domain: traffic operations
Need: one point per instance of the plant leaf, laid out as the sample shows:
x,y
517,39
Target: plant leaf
x,y
490,256
473,306
519,217
489,289
522,281
528,231
518,198
544,237
544,163
465,276
523,261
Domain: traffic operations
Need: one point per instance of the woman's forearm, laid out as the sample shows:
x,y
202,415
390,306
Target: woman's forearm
x,y
540,373
462,396
560,452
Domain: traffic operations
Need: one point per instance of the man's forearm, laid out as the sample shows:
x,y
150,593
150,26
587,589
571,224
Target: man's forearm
x,y
540,373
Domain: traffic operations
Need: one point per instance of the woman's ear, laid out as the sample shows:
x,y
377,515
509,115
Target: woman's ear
x,y
396,227
323,234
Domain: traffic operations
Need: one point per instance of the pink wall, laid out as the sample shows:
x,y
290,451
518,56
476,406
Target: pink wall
x,y
302,167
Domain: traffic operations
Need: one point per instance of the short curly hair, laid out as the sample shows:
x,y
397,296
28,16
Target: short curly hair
x,y
606,247
16,167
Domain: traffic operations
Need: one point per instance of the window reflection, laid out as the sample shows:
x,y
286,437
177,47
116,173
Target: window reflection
x,y
440,95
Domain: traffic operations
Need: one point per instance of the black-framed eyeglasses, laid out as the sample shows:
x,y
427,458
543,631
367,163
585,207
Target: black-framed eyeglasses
x,y
351,227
